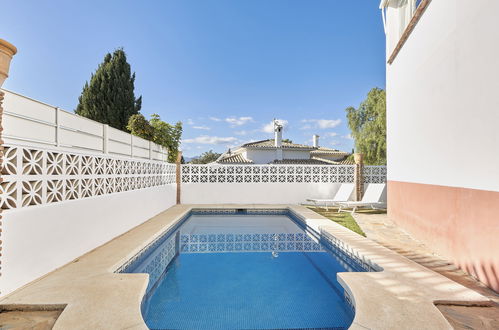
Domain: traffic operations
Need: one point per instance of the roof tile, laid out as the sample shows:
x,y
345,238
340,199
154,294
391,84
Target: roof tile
x,y
234,159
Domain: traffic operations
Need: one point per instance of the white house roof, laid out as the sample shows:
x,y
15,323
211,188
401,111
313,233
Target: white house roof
x,y
345,161
269,144
302,162
328,151
233,159
316,154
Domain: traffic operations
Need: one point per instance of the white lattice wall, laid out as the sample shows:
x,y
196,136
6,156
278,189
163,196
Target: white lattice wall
x,y
267,173
33,176
374,174
59,205
279,174
268,184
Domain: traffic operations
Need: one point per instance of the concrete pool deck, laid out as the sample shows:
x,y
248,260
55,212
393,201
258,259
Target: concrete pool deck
x,y
403,295
381,229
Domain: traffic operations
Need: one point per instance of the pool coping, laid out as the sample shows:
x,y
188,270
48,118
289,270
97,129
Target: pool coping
x,y
402,295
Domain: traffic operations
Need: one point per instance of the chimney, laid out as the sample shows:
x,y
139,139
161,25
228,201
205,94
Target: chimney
x,y
315,138
277,134
278,140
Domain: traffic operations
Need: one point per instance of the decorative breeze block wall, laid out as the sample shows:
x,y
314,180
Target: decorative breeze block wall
x,y
267,173
374,174
279,174
33,176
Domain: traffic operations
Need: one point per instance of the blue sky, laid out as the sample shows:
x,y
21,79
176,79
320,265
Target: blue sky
x,y
225,68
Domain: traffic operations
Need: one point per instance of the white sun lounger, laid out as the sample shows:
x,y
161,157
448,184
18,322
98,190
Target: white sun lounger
x,y
372,198
342,195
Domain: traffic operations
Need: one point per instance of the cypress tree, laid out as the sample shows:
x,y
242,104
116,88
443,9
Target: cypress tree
x,y
109,96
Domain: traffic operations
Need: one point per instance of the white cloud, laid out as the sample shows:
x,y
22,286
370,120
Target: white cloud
x,y
190,122
215,119
206,139
247,132
206,128
321,123
331,134
238,121
348,137
269,128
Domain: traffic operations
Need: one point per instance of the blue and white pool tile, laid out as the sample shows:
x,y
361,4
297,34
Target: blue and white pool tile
x,y
258,242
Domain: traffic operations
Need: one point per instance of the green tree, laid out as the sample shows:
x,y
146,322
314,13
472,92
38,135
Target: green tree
x,y
109,96
158,131
138,125
368,126
167,135
206,157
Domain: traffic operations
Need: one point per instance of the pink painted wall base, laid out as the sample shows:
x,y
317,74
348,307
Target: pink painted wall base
x,y
458,223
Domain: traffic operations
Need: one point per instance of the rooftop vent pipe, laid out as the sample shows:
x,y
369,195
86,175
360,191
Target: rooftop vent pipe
x,y
315,140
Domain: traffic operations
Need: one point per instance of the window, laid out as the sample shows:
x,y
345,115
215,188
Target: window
x,y
399,18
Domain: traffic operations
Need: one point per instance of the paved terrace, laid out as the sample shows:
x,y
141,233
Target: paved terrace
x,y
92,296
379,228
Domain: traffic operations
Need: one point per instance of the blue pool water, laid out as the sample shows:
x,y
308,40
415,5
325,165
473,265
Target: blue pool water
x,y
243,272
249,291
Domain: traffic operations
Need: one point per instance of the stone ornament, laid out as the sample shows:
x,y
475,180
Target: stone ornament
x,y
7,51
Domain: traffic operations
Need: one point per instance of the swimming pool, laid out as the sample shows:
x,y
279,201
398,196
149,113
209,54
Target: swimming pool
x,y
244,269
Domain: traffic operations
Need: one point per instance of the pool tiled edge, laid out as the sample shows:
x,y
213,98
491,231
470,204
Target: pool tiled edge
x,y
278,242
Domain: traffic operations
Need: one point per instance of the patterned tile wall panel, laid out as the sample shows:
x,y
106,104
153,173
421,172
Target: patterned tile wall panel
x,y
279,174
374,174
267,173
219,211
157,262
349,257
32,176
237,242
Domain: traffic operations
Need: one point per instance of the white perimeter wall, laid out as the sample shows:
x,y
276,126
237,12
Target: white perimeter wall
x,y
442,98
255,193
39,239
36,124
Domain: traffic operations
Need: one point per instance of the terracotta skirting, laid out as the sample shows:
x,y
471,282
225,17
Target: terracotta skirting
x,y
458,223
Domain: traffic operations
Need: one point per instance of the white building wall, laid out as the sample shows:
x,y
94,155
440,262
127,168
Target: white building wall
x,y
442,136
442,104
263,156
296,154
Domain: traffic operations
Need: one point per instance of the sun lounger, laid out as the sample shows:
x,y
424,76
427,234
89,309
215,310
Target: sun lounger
x,y
342,195
372,198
